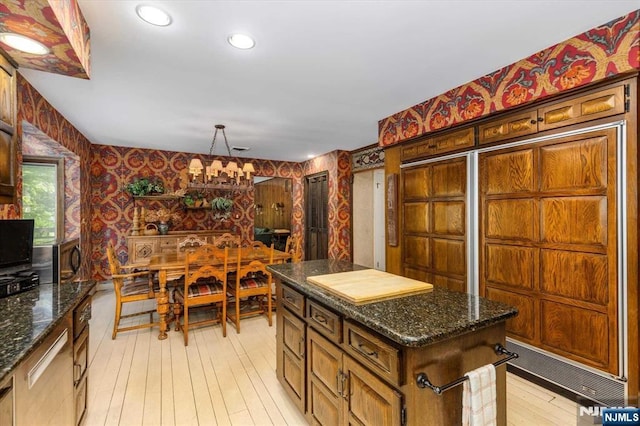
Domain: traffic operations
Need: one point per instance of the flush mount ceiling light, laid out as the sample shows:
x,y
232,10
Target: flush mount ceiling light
x,y
23,43
153,15
241,41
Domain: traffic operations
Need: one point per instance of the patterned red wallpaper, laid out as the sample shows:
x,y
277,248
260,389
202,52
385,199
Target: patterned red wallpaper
x,y
38,113
604,51
59,25
112,215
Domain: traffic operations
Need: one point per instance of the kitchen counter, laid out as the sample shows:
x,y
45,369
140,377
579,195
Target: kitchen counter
x,y
342,363
413,321
28,317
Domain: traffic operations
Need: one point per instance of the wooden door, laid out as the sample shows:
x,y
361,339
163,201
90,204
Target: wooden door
x,y
548,243
434,234
324,380
369,401
316,218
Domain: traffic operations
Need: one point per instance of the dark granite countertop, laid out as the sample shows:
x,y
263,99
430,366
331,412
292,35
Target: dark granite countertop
x,y
414,321
28,317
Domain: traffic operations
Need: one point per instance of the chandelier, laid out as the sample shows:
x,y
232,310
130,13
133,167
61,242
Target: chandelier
x,y
217,176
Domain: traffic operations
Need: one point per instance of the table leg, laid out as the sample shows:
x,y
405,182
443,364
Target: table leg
x,y
163,304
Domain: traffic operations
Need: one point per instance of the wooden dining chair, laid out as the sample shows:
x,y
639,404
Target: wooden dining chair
x,y
227,240
135,286
253,283
190,243
205,283
294,248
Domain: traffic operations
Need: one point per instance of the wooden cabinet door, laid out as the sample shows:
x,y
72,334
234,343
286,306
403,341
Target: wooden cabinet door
x,y
369,401
548,243
434,217
293,357
512,126
8,161
7,94
325,381
600,104
141,249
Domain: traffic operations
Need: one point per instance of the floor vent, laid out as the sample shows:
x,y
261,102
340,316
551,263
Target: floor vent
x,y
581,381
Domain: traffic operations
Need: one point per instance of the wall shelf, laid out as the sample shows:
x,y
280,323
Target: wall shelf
x,y
156,197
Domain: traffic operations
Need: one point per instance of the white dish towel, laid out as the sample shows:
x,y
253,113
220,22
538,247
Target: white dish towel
x,y
479,397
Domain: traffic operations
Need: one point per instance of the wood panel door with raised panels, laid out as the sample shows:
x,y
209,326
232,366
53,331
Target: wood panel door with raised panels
x,y
434,208
548,243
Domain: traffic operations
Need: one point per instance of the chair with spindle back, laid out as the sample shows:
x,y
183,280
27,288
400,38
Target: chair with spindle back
x,y
136,286
227,240
294,248
251,280
190,243
205,283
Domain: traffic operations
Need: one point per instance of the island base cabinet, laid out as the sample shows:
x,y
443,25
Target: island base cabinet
x,y
444,362
343,392
291,345
6,402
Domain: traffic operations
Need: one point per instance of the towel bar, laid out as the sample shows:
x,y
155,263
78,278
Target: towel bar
x,y
423,382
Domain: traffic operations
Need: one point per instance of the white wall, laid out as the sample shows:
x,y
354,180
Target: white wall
x,y
368,219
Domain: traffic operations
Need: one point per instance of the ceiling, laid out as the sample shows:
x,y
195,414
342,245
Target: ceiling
x,y
320,77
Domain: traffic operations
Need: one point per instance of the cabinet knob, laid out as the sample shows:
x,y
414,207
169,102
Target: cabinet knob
x,y
540,119
533,121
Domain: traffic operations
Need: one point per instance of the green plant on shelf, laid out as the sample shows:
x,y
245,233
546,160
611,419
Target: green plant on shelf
x,y
222,207
145,186
195,199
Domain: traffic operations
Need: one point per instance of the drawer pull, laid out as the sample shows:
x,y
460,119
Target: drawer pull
x,y
367,351
77,372
320,318
301,347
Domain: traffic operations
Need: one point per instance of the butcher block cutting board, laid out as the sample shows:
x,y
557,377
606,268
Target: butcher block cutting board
x,y
369,285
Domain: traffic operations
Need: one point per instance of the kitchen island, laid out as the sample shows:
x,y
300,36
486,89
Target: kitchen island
x,y
44,353
343,363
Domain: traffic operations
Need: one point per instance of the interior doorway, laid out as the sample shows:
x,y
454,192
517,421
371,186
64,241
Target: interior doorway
x,y
368,219
316,192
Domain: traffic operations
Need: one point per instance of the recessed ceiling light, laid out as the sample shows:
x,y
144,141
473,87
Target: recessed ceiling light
x,y
153,15
310,155
241,41
23,43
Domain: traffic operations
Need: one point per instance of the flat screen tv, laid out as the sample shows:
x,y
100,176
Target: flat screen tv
x,y
16,245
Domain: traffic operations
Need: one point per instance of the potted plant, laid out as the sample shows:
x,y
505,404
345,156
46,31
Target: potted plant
x,y
222,207
195,199
145,186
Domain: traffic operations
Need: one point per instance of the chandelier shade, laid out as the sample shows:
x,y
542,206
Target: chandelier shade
x,y
219,176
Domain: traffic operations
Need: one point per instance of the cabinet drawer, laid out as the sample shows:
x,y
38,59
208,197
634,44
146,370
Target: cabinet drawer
x,y
168,244
373,352
525,123
459,139
324,321
417,150
293,300
81,316
80,357
584,108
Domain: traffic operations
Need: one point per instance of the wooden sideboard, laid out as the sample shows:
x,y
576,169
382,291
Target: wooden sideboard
x,y
142,247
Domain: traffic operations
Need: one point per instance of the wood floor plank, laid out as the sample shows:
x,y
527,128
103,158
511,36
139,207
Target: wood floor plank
x,y
137,379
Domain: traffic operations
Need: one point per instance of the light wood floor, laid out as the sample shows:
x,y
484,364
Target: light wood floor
x,y
139,380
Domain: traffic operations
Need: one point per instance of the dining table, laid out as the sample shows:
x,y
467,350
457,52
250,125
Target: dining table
x,y
170,266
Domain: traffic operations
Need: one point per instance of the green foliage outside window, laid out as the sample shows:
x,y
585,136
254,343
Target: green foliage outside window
x,y
39,200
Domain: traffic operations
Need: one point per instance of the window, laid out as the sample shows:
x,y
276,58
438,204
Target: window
x,y
42,198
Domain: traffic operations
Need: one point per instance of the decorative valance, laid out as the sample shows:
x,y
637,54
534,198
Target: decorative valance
x,y
602,52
